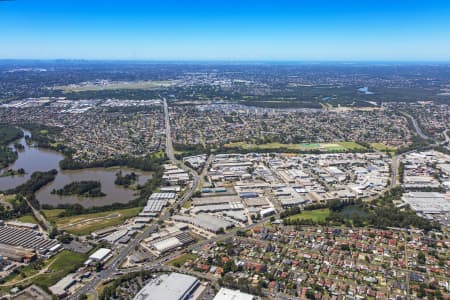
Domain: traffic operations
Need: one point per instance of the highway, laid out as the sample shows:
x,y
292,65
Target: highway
x,y
114,263
172,158
416,126
394,170
447,138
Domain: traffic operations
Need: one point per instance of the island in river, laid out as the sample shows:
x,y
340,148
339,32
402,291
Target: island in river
x,y
34,159
85,188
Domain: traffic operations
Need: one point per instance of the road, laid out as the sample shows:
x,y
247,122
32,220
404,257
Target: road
x,y
89,288
447,138
172,158
115,262
394,170
38,216
169,144
416,126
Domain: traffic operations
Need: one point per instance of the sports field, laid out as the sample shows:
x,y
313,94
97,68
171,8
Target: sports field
x,y
315,215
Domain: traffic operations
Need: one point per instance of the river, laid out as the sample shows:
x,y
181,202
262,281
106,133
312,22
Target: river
x,y
33,159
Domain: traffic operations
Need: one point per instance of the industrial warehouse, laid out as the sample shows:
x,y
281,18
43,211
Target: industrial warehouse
x,y
174,286
20,244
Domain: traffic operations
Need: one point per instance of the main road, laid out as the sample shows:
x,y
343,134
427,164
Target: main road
x,y
394,170
115,262
173,159
416,126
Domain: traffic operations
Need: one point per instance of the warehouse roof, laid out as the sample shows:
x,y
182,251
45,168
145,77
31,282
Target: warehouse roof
x,y
227,294
174,286
100,254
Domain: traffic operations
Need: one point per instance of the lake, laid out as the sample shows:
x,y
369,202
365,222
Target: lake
x,y
33,159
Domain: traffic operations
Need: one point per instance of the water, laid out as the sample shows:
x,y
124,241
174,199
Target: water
x,y
34,159
365,90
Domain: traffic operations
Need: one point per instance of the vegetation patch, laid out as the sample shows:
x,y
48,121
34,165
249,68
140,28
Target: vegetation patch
x,y
36,181
383,148
28,219
181,260
46,273
87,188
303,147
8,134
125,179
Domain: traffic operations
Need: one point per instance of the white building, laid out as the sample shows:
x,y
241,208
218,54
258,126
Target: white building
x,y
227,294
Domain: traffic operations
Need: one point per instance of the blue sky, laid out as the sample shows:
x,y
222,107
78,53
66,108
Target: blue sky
x,y
226,30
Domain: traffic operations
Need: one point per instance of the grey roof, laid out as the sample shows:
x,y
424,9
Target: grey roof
x,y
205,221
25,238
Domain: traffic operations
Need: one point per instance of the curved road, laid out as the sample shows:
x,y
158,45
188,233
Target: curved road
x,y
447,138
416,126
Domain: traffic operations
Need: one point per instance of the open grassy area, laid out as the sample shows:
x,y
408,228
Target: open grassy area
x,y
62,264
87,223
325,147
11,199
351,145
315,215
27,219
180,260
383,147
47,273
137,85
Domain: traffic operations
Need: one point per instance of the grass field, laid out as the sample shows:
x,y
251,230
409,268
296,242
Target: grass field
x,y
383,147
325,147
182,259
137,85
88,223
27,219
57,267
11,199
315,215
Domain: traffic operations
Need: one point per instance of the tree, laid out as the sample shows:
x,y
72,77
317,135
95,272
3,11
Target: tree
x,y
421,259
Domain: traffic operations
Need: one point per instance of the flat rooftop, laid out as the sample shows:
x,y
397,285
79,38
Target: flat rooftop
x,y
174,286
227,294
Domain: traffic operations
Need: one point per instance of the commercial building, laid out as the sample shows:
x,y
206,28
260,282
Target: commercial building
x,y
428,202
32,292
61,287
23,225
174,286
26,238
171,242
153,208
100,256
204,221
227,294
267,212
17,253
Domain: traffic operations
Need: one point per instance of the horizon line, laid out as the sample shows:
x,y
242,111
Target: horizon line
x,y
223,60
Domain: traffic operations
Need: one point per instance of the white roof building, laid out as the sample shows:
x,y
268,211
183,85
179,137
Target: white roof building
x,y
227,294
61,287
174,286
101,254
